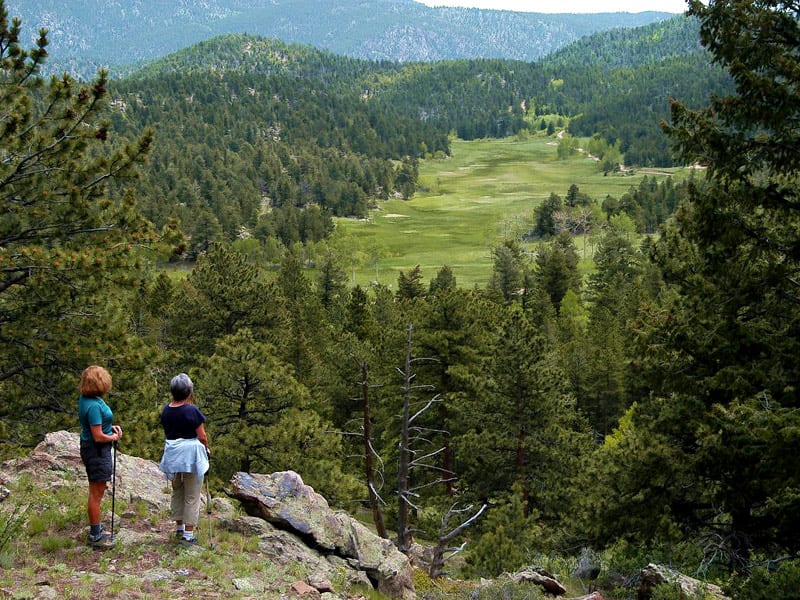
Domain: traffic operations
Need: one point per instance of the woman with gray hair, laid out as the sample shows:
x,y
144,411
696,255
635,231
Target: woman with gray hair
x,y
185,459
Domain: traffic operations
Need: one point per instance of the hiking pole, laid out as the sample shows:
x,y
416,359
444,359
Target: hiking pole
x,y
113,486
208,510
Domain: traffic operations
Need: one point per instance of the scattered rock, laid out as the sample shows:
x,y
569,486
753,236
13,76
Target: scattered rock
x,y
588,566
653,575
542,578
223,507
47,592
320,583
244,584
302,589
157,574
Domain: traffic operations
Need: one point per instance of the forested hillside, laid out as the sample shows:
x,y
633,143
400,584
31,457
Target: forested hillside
x,y
255,137
102,33
644,409
271,139
632,47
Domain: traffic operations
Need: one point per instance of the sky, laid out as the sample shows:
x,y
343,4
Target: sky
x,y
568,6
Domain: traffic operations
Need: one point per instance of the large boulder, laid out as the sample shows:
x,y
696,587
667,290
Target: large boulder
x,y
56,463
284,501
285,548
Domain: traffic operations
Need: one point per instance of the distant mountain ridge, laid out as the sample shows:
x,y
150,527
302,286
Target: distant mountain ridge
x,y
633,47
88,34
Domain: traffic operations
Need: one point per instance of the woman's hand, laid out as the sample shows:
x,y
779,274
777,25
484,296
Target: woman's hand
x,y
117,431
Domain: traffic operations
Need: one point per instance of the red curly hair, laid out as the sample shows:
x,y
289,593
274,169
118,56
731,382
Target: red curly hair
x,y
95,381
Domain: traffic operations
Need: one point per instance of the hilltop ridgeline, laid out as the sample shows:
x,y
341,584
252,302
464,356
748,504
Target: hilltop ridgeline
x,y
102,33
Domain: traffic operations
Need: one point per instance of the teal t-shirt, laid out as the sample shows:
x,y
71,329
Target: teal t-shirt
x,y
94,411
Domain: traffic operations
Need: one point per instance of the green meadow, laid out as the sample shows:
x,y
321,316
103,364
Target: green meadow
x,y
466,204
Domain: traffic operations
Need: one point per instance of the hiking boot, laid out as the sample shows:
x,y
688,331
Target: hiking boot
x,y
102,539
179,534
191,543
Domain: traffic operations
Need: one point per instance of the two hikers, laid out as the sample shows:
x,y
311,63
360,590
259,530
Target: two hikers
x,y
184,461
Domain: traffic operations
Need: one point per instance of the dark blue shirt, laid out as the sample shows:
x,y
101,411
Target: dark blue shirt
x,y
181,421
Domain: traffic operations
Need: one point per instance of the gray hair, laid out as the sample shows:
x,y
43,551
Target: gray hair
x,y
181,386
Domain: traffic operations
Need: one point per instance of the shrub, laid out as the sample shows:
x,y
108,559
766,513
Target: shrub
x,y
11,522
770,582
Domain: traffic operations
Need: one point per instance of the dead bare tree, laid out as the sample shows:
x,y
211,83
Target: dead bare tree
x,y
410,457
445,537
370,455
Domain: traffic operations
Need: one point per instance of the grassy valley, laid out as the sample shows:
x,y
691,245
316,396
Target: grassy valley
x,y
467,203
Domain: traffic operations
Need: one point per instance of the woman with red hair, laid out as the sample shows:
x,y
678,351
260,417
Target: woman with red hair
x,y
97,436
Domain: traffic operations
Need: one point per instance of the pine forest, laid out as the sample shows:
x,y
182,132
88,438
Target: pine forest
x,y
640,401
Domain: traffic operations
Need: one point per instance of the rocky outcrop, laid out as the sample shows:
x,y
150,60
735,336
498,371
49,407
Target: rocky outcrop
x,y
294,525
56,463
541,578
298,520
654,575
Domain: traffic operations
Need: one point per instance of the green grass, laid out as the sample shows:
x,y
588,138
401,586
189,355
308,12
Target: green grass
x,y
486,191
44,545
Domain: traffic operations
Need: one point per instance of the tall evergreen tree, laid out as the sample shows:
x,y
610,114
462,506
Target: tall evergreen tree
x,y
720,351
409,285
508,270
262,418
223,293
69,239
444,281
557,268
521,423
450,333
544,222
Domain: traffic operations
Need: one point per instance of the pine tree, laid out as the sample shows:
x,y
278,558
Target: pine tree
x,y
223,293
69,237
557,268
409,285
720,348
262,418
519,422
508,270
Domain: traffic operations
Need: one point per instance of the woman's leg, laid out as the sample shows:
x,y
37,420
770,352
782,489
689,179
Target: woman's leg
x,y
96,491
97,460
176,502
193,493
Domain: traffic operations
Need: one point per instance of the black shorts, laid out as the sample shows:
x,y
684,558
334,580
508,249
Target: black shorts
x,y
97,460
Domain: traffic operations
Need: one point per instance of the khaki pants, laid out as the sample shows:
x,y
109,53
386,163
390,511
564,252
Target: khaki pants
x,y
187,491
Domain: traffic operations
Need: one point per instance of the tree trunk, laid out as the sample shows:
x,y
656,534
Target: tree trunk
x,y
520,467
449,470
374,501
437,562
403,535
